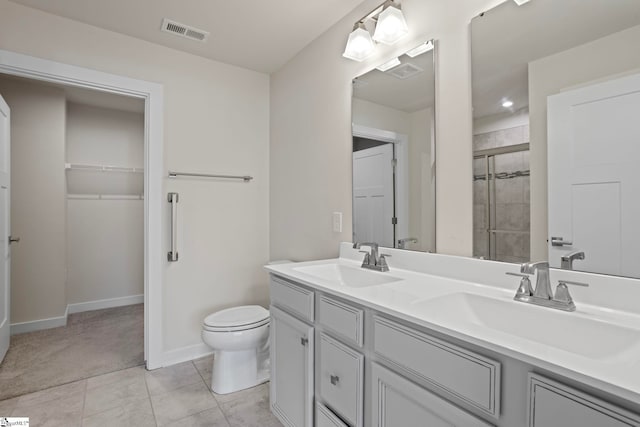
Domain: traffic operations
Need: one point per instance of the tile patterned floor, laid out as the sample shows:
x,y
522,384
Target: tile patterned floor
x,y
92,343
176,395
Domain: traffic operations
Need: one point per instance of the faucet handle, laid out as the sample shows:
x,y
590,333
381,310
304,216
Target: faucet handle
x,y
382,260
508,273
562,291
367,257
524,290
569,282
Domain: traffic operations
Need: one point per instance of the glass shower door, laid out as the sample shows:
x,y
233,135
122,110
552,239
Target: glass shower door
x,y
501,204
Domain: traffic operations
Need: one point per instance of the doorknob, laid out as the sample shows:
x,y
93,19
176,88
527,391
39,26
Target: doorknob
x,y
559,241
13,239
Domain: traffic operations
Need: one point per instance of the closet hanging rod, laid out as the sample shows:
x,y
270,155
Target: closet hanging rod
x,y
102,168
245,178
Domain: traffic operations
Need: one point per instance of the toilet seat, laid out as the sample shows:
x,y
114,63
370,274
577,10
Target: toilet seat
x,y
237,319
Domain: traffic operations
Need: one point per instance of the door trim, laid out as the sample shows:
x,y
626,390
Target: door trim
x,y
30,67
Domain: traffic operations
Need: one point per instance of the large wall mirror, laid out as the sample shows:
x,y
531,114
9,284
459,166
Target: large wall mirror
x,y
556,108
393,152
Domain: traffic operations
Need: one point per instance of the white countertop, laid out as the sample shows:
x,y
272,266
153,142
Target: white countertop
x,y
615,373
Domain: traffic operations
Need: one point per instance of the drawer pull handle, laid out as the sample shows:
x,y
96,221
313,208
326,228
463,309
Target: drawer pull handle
x,y
304,340
334,379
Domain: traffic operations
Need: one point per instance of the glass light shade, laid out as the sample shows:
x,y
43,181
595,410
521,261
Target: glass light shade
x,y
389,65
359,45
391,26
419,50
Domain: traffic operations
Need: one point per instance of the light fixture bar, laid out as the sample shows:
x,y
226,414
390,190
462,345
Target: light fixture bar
x,y
390,26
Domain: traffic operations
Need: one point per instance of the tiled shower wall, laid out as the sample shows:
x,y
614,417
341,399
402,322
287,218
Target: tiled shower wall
x,y
510,210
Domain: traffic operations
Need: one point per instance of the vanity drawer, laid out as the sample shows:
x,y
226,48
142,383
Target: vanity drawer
x,y
291,297
468,376
397,401
341,318
554,404
326,418
341,371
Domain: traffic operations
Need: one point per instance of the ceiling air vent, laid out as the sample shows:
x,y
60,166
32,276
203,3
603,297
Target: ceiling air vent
x,y
405,71
173,27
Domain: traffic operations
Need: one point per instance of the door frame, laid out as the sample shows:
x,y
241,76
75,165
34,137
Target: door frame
x,y
30,67
400,142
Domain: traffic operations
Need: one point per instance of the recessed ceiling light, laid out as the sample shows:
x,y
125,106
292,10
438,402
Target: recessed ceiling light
x,y
507,104
424,47
521,2
389,65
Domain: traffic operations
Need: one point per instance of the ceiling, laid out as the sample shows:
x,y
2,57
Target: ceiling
x,y
409,95
255,34
506,38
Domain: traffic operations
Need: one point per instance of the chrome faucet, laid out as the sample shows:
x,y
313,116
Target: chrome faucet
x,y
372,260
403,242
542,294
567,259
543,286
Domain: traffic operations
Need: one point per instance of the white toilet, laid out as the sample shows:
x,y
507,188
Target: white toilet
x,y
239,337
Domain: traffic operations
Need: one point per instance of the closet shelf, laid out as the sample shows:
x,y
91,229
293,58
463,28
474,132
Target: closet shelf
x,y
105,196
101,168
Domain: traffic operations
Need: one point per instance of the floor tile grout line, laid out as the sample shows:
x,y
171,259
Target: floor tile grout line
x,y
70,382
212,394
84,401
153,411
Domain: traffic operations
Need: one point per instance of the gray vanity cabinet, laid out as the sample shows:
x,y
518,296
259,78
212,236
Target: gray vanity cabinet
x,y
554,404
399,402
360,367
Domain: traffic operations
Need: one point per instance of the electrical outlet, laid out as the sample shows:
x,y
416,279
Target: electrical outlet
x,y
337,222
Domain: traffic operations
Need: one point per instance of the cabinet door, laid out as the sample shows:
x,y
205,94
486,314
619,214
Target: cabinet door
x,y
554,404
291,370
399,402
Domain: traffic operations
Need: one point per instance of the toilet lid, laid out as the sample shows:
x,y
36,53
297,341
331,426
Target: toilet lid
x,y
245,315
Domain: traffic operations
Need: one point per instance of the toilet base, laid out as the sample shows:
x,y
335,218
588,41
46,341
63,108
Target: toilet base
x,y
237,370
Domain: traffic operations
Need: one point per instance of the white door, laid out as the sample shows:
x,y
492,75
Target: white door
x,y
594,178
5,298
373,195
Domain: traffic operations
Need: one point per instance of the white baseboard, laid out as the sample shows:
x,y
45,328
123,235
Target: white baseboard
x,y
54,322
185,354
37,325
105,303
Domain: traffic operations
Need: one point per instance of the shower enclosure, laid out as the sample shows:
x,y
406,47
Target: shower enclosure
x,y
501,203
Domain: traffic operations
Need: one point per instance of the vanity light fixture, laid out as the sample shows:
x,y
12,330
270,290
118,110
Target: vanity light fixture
x,y
359,44
389,65
507,103
390,26
419,50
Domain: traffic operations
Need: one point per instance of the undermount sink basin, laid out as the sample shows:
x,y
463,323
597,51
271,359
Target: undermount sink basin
x,y
590,338
347,276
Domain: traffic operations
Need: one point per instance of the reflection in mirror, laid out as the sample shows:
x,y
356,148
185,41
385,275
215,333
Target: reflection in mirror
x,y
561,77
393,152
